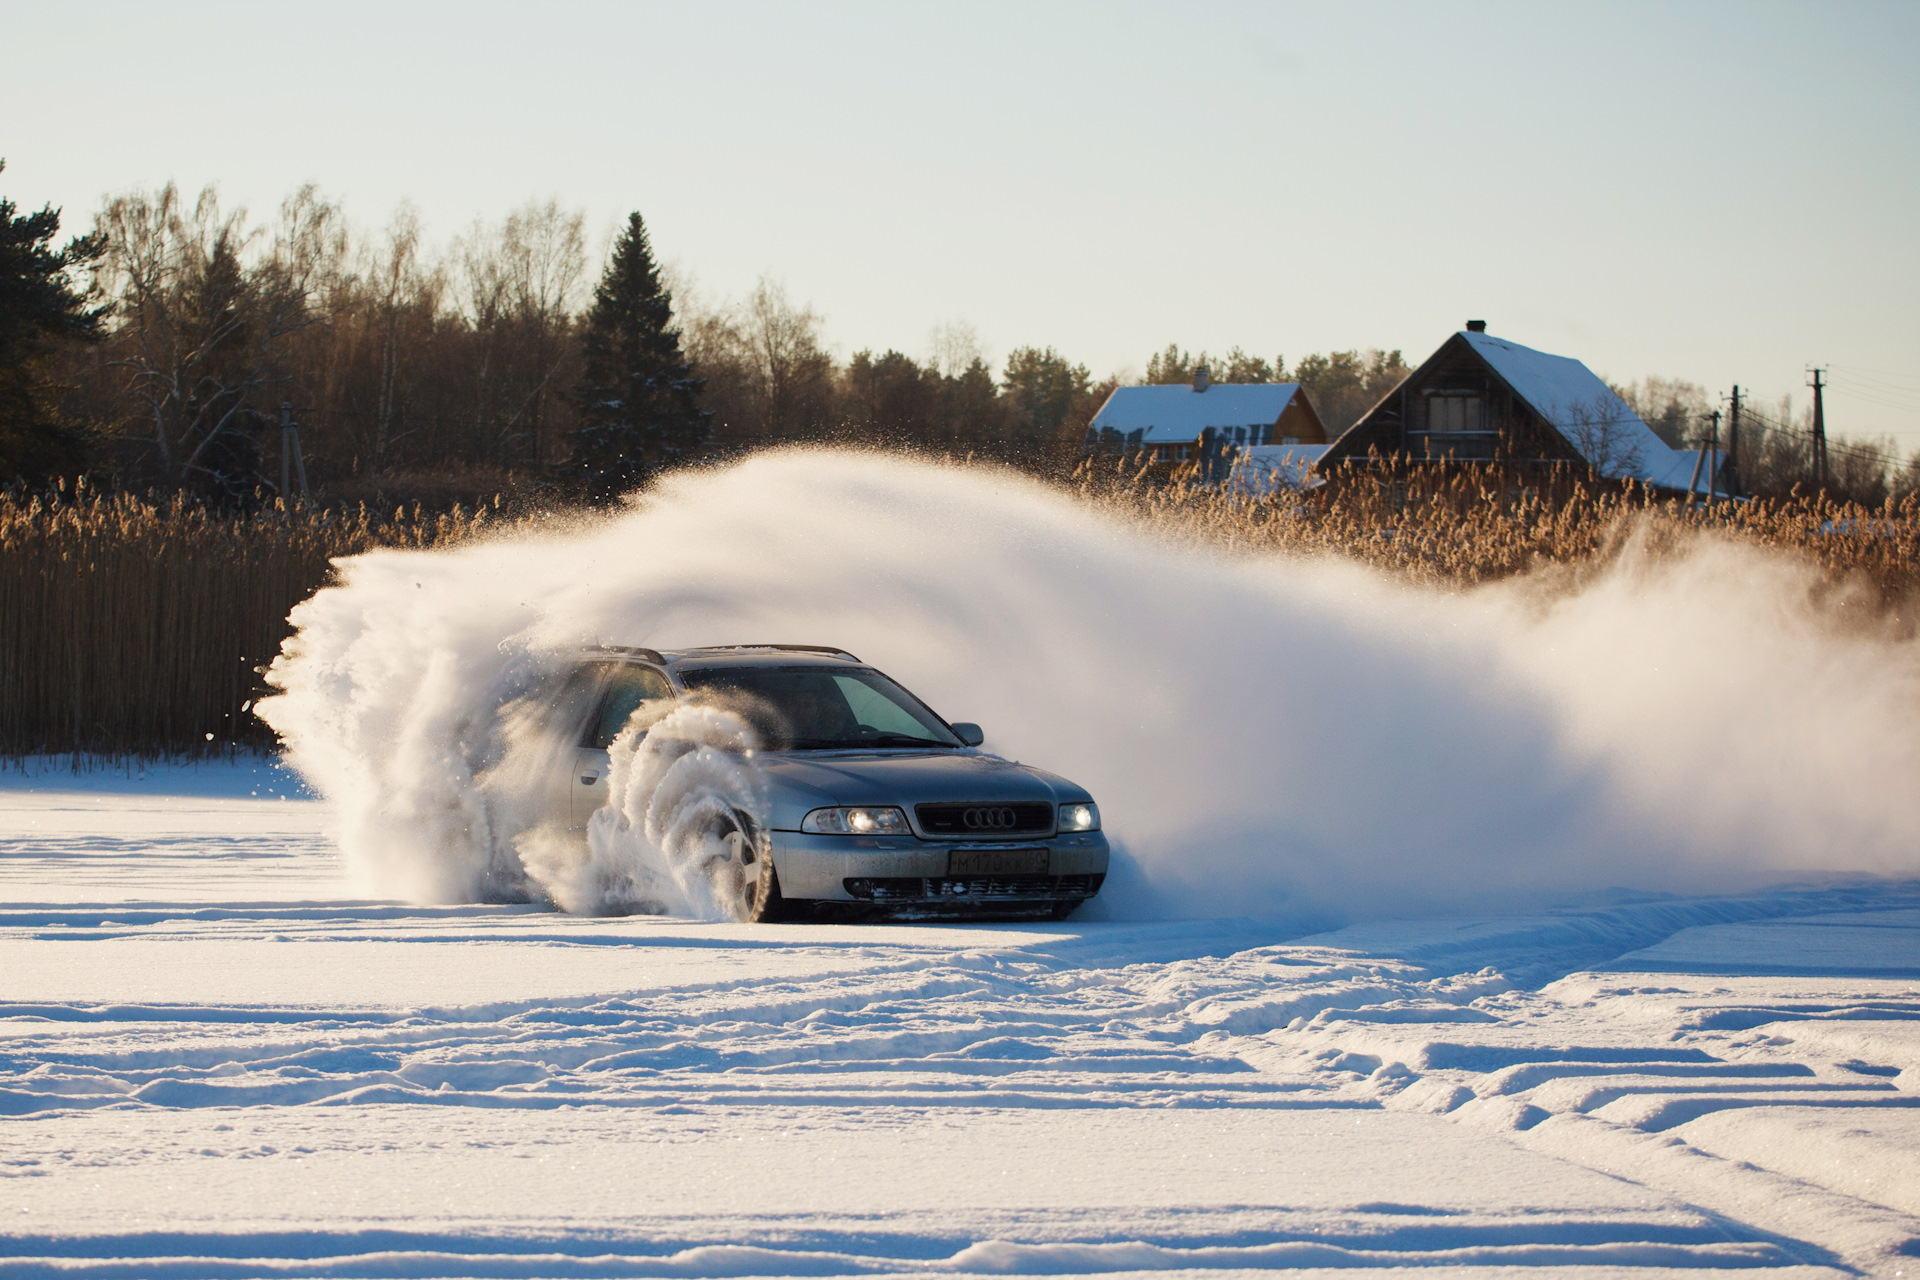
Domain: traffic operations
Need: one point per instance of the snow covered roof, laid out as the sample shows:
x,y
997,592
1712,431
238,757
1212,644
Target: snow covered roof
x,y
1266,467
1586,411
1177,414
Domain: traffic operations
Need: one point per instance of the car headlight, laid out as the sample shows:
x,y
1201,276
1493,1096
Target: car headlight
x,y
862,820
1083,816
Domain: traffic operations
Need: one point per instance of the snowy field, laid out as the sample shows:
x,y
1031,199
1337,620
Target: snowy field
x,y
219,1062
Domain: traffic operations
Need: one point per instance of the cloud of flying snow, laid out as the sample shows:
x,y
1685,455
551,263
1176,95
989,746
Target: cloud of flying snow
x,y
1298,740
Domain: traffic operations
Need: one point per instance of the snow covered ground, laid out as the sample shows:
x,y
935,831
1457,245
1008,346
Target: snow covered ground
x,y
217,1061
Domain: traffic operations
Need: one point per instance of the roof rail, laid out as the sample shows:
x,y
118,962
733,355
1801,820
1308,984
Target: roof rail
x,y
645,655
833,650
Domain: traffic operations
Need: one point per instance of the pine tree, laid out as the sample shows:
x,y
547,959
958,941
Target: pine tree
x,y
638,396
40,308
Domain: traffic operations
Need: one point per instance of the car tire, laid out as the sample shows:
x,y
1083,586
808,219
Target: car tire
x,y
761,901
769,905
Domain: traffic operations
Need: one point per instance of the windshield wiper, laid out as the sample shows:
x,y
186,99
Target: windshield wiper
x,y
855,744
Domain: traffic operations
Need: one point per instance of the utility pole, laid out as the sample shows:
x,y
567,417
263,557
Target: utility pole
x,y
1733,444
291,462
1819,430
1699,462
1713,453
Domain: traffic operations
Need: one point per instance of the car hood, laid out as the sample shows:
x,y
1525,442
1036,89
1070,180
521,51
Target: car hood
x,y
799,781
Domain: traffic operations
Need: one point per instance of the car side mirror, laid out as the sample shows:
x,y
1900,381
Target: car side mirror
x,y
968,733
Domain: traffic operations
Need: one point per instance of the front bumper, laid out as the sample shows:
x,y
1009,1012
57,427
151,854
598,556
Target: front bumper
x,y
904,871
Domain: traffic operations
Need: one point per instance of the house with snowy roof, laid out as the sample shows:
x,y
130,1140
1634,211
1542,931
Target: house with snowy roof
x,y
1485,399
1168,425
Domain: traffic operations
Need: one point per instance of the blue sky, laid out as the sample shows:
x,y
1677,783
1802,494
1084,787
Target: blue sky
x,y
1708,191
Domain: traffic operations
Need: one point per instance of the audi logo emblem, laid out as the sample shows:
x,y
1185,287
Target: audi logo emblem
x,y
1002,819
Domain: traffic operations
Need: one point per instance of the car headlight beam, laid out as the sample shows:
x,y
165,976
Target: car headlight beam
x,y
1082,815
857,820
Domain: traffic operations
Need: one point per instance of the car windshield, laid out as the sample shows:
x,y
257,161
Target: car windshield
x,y
821,708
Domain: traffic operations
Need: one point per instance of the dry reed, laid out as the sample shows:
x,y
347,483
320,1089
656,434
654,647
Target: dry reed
x,y
138,628
1452,526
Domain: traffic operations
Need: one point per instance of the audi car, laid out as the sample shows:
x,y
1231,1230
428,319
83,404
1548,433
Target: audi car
x,y
873,803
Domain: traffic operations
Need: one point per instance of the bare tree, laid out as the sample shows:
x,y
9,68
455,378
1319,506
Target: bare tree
x,y
793,371
400,282
520,283
483,305
1675,408
953,347
202,314
546,258
1604,434
716,347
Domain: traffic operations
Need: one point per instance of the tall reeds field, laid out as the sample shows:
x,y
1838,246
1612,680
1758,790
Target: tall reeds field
x,y
135,627
138,628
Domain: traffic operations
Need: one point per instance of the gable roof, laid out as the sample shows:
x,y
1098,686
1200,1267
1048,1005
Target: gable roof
x,y
1586,412
1575,402
1177,414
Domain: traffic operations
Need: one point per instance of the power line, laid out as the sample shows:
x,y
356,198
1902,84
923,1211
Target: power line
x,y
1906,381
1848,447
1747,412
1871,397
1863,387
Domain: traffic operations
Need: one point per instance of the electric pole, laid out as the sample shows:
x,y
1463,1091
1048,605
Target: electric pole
x,y
1713,453
1819,431
290,460
1733,444
1699,465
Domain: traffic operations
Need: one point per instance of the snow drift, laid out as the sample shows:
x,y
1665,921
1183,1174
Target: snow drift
x,y
1287,739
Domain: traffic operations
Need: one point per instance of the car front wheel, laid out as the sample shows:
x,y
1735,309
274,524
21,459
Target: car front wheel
x,y
750,886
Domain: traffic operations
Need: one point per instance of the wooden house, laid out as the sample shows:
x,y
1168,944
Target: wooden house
x,y
1164,426
1482,399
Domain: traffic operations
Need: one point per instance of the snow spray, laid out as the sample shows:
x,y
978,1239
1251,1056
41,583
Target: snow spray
x,y
1277,737
654,846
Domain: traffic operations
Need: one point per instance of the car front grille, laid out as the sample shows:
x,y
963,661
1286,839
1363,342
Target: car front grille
x,y
959,890
986,819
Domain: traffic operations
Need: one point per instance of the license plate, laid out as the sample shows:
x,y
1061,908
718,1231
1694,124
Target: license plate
x,y
997,862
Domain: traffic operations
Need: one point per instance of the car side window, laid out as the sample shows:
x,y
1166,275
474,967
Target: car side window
x,y
874,710
630,689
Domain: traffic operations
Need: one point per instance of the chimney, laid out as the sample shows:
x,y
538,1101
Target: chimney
x,y
1476,326
1201,378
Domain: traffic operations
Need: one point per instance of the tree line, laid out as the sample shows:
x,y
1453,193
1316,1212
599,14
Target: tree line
x,y
157,350
185,327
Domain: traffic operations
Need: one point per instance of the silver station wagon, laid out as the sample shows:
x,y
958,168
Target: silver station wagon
x,y
874,804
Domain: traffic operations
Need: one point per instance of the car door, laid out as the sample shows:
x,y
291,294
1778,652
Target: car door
x,y
629,688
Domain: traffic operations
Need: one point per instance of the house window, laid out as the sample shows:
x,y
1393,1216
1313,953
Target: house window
x,y
1453,413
